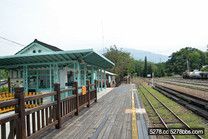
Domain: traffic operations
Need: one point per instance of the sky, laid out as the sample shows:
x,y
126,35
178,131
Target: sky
x,y
158,26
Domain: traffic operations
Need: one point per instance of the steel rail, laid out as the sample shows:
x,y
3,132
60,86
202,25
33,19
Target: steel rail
x,y
163,122
172,112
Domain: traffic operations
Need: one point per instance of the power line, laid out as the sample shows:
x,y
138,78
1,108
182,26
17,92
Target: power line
x,y
12,41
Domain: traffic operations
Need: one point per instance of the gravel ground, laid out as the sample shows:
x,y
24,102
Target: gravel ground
x,y
201,94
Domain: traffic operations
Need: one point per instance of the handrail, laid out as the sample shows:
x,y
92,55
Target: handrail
x,y
67,90
69,97
32,110
8,118
46,115
8,103
30,98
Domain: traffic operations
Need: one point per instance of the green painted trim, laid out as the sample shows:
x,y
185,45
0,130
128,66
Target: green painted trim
x,y
25,76
44,47
105,58
55,72
98,78
50,70
53,57
17,74
74,71
37,81
31,45
37,64
49,53
85,75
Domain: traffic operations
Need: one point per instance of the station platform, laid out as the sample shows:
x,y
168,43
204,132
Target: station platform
x,y
117,115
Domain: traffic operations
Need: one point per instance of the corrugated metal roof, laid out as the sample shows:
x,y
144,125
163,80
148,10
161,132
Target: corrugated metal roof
x,y
88,55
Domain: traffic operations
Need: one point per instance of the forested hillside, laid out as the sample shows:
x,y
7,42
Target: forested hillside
x,y
185,59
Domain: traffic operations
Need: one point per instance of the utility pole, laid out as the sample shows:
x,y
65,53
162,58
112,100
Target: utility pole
x,y
102,36
152,78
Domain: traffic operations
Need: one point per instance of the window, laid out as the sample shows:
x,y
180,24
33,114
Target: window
x,y
39,51
34,51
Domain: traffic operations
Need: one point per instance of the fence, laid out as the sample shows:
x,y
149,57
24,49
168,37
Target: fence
x,y
7,96
29,123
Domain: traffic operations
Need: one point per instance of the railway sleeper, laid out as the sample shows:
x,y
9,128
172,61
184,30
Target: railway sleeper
x,y
195,109
182,93
186,98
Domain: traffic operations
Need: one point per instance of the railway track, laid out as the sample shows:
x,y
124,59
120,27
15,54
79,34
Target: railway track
x,y
195,104
198,86
185,82
166,115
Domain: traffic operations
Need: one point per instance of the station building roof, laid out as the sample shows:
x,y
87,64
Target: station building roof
x,y
55,56
50,47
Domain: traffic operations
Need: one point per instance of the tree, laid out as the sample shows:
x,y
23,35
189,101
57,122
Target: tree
x,y
145,67
149,70
139,67
186,58
187,55
195,60
4,74
122,60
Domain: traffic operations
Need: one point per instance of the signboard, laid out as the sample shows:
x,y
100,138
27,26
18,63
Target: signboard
x,y
83,90
149,75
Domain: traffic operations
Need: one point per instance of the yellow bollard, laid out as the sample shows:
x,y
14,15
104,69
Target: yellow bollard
x,y
10,95
3,96
3,110
38,100
30,105
26,106
41,102
7,95
34,101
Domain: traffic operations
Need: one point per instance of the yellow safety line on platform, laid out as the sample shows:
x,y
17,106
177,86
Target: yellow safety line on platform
x,y
134,122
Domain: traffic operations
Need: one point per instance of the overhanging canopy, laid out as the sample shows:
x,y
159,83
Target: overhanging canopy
x,y
88,55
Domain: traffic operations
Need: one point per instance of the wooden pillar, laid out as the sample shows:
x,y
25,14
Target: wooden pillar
x,y
37,81
88,89
79,76
96,90
57,98
55,73
77,96
50,72
20,109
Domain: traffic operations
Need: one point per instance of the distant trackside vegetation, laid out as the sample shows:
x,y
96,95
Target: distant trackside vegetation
x,y
185,59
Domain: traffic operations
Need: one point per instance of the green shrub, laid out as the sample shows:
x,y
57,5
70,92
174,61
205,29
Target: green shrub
x,y
4,89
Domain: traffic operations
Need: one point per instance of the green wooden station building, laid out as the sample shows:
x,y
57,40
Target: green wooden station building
x,y
39,65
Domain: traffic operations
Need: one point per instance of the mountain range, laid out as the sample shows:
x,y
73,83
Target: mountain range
x,y
140,54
